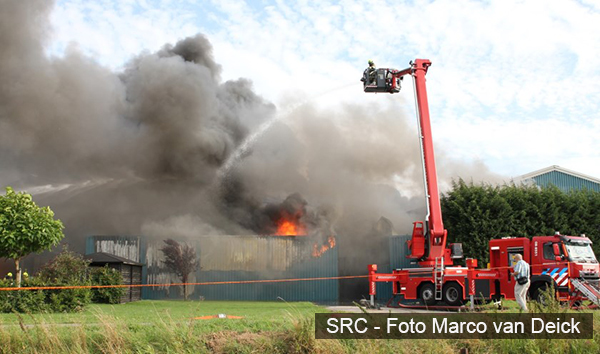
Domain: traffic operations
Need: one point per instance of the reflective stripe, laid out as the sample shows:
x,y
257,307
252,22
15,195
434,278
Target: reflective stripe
x,y
559,277
561,280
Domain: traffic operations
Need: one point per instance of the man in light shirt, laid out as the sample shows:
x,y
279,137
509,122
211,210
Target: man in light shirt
x,y
521,270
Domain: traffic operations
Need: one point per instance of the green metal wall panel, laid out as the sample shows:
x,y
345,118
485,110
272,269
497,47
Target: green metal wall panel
x,y
235,258
243,258
355,254
565,182
89,245
323,291
398,251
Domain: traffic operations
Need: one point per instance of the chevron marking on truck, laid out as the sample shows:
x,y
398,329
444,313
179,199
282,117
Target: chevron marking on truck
x,y
559,277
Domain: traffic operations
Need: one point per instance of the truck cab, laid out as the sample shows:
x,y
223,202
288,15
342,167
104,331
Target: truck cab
x,y
554,261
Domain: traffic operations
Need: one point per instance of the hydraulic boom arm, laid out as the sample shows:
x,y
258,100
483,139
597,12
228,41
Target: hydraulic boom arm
x,y
428,243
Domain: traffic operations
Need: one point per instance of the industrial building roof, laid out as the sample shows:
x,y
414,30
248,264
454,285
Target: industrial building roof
x,y
562,178
101,257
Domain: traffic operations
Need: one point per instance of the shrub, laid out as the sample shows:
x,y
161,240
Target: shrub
x,y
30,300
68,300
23,300
107,276
67,269
5,296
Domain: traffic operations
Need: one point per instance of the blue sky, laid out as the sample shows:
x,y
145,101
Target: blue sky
x,y
514,85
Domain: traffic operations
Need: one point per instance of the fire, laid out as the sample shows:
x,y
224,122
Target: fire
x,y
331,241
288,228
318,250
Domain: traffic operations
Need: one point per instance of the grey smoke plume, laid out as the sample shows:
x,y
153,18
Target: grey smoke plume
x,y
138,151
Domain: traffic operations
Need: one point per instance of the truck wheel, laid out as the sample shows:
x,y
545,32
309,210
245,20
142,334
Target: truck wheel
x,y
453,294
538,292
427,294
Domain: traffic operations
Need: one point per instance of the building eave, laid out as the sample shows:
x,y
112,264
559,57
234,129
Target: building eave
x,y
556,168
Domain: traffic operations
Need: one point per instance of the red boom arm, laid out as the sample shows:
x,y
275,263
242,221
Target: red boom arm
x,y
426,247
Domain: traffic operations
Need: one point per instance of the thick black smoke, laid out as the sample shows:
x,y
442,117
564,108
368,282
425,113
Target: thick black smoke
x,y
114,150
139,151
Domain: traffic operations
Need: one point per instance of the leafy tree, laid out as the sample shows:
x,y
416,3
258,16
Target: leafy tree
x,y
181,259
25,228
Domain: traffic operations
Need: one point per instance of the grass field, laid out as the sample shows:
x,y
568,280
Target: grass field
x,y
257,316
266,327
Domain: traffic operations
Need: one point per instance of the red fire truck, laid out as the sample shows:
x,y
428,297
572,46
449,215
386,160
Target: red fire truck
x,y
565,262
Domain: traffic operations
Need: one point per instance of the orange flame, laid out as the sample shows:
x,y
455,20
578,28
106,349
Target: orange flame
x,y
331,241
318,251
288,228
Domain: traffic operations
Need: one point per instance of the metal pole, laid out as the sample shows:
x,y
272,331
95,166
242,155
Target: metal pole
x,y
472,302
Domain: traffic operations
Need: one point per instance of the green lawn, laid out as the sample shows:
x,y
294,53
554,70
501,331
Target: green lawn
x,y
256,315
266,327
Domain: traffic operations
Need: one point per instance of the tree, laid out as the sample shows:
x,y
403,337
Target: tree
x,y
474,214
26,228
181,259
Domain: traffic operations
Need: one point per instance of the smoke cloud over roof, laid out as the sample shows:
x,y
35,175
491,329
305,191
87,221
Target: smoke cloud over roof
x,y
141,151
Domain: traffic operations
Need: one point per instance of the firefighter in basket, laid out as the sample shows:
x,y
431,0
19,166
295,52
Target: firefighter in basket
x,y
370,74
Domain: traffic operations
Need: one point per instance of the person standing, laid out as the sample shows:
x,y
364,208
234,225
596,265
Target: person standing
x,y
372,72
521,275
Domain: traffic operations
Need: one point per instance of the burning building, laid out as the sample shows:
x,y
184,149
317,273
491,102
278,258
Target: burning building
x,y
234,259
251,267
234,262
167,149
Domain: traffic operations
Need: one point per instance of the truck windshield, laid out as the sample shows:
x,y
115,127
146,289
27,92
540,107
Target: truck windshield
x,y
581,253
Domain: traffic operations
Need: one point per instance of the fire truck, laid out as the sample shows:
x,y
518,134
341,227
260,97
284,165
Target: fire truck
x,y
564,263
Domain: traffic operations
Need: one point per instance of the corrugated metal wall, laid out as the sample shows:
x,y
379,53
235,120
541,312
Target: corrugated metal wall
x,y
128,247
398,251
234,258
240,258
565,182
323,291
355,254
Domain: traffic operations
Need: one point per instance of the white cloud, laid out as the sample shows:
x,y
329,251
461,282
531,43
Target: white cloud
x,y
513,83
113,31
